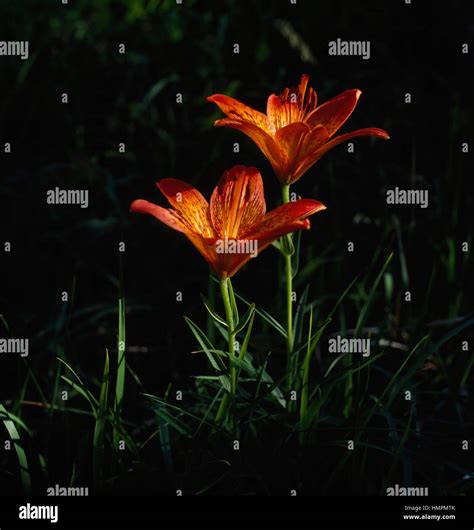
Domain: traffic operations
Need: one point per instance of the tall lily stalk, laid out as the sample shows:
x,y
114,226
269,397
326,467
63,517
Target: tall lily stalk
x,y
287,249
226,290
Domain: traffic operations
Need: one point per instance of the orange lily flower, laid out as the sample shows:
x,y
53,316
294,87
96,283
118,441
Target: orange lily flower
x,y
294,133
234,227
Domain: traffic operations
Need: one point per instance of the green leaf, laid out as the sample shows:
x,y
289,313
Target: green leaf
x,y
304,382
331,313
138,108
287,248
176,423
172,421
82,388
206,345
243,364
365,309
8,420
165,440
307,271
249,314
208,412
99,430
245,343
213,314
399,451
388,284
299,315
403,261
120,380
233,304
84,393
266,316
263,314
295,263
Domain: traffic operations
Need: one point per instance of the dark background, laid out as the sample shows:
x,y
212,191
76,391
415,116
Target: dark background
x,y
130,98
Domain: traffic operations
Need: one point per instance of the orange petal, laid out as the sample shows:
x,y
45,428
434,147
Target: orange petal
x,y
315,139
224,264
307,95
291,106
236,110
311,143
290,139
303,86
173,220
283,220
236,263
334,112
229,264
167,216
369,131
311,157
264,141
237,202
192,207
205,246
281,112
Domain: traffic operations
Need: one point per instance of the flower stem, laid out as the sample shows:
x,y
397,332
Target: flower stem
x,y
224,285
289,306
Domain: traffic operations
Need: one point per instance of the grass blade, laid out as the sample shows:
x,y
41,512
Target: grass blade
x,y
99,430
216,363
120,381
25,478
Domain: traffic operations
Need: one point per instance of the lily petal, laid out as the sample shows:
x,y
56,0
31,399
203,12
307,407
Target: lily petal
x,y
237,110
303,87
235,262
165,215
292,105
281,111
369,131
283,220
237,202
305,159
264,141
334,113
291,139
311,157
229,263
192,207
205,246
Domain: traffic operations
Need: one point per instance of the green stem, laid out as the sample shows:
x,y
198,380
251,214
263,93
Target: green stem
x,y
289,306
224,285
222,408
304,383
211,296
